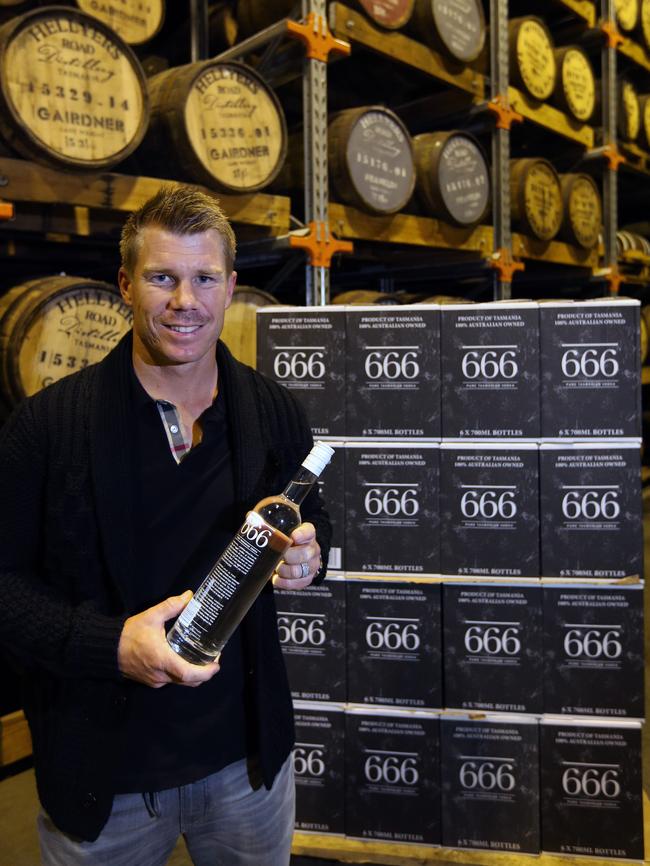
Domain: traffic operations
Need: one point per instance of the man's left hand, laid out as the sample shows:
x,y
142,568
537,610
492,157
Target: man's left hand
x,y
301,561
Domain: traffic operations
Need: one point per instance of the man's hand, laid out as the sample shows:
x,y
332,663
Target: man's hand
x,y
144,655
301,562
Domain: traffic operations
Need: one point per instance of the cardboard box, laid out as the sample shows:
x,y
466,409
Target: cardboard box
x,y
392,776
391,507
311,627
393,371
489,523
303,348
394,643
493,647
593,650
591,368
591,509
591,788
490,783
490,370
319,765
331,485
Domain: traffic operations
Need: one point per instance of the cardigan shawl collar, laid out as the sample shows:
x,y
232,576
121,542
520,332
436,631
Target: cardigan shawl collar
x,y
113,462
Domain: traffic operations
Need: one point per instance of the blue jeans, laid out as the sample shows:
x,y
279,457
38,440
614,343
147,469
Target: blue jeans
x,y
224,820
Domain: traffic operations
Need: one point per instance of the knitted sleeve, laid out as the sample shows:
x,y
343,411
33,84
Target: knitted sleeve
x,y
39,625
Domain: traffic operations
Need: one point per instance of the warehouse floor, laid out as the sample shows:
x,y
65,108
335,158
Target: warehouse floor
x,y
18,839
19,803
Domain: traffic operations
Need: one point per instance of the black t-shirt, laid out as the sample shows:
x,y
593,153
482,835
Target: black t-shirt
x,y
175,735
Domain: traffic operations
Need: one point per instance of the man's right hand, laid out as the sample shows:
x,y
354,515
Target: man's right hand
x,y
144,655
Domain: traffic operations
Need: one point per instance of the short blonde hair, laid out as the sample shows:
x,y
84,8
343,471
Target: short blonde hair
x,y
180,209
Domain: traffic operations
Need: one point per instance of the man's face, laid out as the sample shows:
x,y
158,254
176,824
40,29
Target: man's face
x,y
179,292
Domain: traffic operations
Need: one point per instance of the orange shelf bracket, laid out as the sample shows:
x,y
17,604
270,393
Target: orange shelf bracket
x,y
613,278
6,210
506,116
502,261
611,34
613,157
317,37
319,245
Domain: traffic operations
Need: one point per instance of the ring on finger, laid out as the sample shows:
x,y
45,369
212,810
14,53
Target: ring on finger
x,y
304,567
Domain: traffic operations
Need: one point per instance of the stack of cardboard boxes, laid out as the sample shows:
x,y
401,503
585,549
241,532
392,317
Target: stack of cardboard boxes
x,y
471,673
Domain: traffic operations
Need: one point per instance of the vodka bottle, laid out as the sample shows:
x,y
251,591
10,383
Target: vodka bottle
x,y
236,579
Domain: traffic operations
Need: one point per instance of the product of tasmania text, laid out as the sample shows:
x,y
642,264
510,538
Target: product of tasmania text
x,y
393,371
318,763
391,508
490,782
593,650
591,788
392,773
394,643
311,627
303,348
489,520
591,509
591,368
490,371
493,647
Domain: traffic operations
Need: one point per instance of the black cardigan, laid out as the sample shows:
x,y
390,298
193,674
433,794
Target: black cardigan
x,y
66,563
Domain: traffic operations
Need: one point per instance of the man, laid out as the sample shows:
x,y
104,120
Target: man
x,y
122,484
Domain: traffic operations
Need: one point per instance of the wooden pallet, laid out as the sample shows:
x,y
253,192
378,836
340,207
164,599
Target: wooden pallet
x,y
15,739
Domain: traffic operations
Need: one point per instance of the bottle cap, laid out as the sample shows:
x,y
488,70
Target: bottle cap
x,y
318,458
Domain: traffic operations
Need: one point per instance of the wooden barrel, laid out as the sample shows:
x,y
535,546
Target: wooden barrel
x,y
575,85
53,326
240,325
453,176
644,121
391,14
623,242
72,93
536,197
633,242
629,111
627,14
370,296
454,27
223,30
254,15
532,58
371,159
443,300
583,212
644,322
134,21
174,44
218,124
644,24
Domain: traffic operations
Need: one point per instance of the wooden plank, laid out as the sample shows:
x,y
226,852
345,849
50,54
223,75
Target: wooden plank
x,y
635,52
556,252
584,8
401,228
635,158
353,26
392,854
15,739
551,118
26,181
